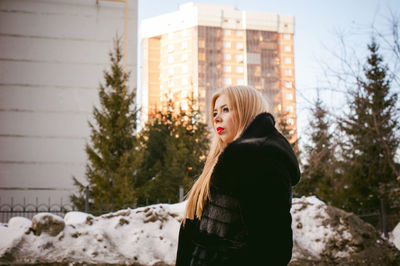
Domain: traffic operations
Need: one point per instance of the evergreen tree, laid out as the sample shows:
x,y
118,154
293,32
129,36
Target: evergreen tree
x,y
287,130
318,175
111,153
173,151
371,126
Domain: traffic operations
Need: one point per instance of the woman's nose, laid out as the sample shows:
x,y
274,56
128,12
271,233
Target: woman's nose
x,y
217,118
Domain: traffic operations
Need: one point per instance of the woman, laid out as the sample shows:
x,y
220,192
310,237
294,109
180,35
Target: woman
x,y
238,211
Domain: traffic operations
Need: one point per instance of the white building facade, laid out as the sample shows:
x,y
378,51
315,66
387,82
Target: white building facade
x,y
52,58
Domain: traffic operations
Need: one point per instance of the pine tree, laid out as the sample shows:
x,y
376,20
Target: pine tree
x,y
173,151
112,149
371,125
318,175
287,130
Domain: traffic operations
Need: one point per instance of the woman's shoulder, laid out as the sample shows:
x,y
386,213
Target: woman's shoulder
x,y
272,143
261,155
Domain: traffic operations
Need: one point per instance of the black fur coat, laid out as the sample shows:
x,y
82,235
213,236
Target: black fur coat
x,y
247,219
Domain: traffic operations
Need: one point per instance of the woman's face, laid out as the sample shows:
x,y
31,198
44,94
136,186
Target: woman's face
x,y
224,119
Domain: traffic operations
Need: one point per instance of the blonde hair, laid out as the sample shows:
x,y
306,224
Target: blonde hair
x,y
246,103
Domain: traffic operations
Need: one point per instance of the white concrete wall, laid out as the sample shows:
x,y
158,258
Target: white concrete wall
x,y
52,57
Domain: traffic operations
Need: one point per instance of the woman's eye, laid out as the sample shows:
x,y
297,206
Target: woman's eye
x,y
226,109
214,114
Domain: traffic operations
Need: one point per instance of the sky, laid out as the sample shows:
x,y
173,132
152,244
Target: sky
x,y
318,27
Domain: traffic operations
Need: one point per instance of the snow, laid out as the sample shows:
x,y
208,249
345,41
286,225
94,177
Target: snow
x,y
145,235
76,217
310,229
395,236
9,239
19,223
40,217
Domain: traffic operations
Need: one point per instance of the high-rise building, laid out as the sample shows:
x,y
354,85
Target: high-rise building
x,y
203,47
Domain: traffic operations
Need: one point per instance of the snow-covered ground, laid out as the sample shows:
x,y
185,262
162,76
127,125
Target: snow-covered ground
x,y
310,230
149,235
394,236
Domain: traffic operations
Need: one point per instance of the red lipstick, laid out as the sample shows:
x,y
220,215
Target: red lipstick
x,y
220,129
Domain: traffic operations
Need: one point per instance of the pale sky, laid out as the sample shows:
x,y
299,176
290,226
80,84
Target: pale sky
x,y
318,23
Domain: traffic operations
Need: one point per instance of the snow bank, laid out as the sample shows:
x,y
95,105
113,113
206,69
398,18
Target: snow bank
x,y
395,236
19,224
323,233
148,235
47,223
12,234
312,232
77,217
145,236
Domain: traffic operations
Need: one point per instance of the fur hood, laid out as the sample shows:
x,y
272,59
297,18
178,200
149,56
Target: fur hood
x,y
260,141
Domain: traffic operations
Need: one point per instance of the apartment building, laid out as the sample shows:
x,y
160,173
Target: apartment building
x,y
202,47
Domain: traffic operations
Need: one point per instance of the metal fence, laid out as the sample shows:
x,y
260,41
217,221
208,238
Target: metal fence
x,y
28,210
21,207
378,219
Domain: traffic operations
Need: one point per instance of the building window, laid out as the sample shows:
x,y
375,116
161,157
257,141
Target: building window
x,y
287,72
184,45
289,96
239,82
170,71
287,48
226,44
289,109
238,33
185,68
227,56
226,32
287,60
184,106
184,33
227,81
239,45
170,83
286,36
239,69
239,57
170,35
170,48
254,58
185,81
185,57
183,93
202,92
202,44
227,68
288,84
170,59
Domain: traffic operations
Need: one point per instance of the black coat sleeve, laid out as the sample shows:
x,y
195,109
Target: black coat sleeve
x,y
187,233
265,207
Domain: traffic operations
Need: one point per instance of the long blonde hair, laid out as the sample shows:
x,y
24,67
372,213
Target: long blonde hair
x,y
246,103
